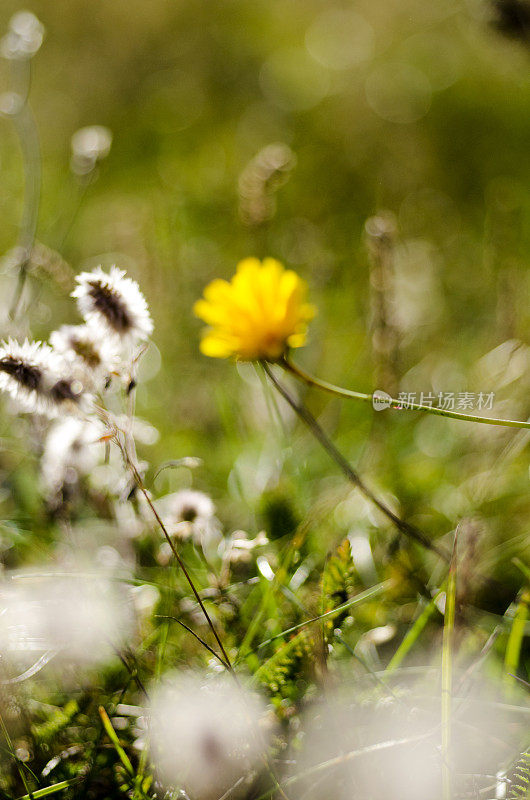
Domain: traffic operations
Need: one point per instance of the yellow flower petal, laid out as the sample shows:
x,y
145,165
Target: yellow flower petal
x,y
259,314
215,347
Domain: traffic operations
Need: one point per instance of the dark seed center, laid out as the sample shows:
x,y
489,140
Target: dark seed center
x,y
108,303
211,747
87,352
188,514
62,390
26,374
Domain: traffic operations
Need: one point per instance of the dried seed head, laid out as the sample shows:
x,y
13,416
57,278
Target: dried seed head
x,y
115,302
189,514
38,379
84,621
71,451
204,733
84,347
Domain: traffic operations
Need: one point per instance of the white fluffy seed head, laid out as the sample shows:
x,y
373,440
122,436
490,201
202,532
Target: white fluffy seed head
x,y
188,505
114,303
71,450
80,620
39,379
204,734
84,347
395,741
189,514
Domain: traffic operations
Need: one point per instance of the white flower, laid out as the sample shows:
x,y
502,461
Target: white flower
x,y
98,356
188,514
71,450
89,145
24,36
113,302
189,505
39,379
205,735
82,620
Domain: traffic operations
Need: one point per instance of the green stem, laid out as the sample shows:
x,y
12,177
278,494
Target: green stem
x,y
515,640
348,394
19,763
351,474
447,673
140,484
28,135
413,634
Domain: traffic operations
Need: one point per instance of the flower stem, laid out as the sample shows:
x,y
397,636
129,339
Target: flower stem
x,y
348,394
28,135
447,672
305,415
141,486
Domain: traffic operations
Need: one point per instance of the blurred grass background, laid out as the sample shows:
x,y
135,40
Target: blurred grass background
x,y
414,111
418,108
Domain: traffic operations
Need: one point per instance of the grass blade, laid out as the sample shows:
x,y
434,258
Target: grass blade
x,y
447,672
111,733
515,640
48,790
413,634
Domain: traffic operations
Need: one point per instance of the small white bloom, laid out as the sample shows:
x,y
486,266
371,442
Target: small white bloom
x,y
205,735
188,514
38,379
96,355
114,302
71,451
188,505
24,36
89,145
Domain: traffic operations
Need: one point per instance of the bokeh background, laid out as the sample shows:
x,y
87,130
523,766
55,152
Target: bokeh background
x,y
380,148
417,110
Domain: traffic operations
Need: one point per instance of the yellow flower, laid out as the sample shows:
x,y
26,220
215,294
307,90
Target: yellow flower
x,y
259,314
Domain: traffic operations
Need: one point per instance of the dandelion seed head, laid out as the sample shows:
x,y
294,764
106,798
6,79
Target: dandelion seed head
x,y
204,735
113,302
38,379
24,36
